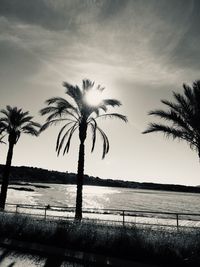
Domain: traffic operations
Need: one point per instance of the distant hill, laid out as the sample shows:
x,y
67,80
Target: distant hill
x,y
38,175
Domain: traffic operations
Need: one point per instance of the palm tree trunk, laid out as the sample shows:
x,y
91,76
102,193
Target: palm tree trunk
x,y
78,212
5,177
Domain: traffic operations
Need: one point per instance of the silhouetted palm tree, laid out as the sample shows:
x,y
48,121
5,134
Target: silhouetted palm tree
x,y
79,115
14,122
184,116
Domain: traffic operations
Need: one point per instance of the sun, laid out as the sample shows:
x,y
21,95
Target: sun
x,y
93,97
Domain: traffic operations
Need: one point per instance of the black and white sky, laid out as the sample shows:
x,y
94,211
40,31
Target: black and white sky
x,y
140,50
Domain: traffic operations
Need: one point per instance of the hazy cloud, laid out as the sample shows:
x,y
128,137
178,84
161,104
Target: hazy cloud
x,y
130,33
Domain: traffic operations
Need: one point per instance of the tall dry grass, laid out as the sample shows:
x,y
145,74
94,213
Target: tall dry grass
x,y
147,244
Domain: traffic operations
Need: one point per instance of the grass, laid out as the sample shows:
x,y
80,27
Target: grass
x,y
142,244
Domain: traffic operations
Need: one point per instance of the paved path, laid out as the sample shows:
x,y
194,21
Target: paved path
x,y
14,258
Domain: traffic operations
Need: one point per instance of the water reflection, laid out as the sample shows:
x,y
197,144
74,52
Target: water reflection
x,y
109,198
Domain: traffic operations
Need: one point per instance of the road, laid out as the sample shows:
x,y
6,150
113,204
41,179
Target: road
x,y
14,258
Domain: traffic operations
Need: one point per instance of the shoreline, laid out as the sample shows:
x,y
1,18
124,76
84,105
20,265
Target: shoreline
x,y
38,175
45,184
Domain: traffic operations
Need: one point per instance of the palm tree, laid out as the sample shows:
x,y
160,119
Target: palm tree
x,y
184,116
79,115
14,122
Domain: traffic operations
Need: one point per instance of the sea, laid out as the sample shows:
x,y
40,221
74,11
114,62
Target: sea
x,y
97,197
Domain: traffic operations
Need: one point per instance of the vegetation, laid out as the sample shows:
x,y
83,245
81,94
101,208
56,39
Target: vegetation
x,y
29,175
80,114
14,122
184,116
179,248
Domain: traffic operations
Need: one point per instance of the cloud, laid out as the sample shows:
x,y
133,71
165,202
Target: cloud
x,y
15,61
141,40
187,52
38,12
59,14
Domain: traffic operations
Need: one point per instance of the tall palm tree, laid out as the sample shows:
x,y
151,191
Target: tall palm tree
x,y
14,122
184,116
79,115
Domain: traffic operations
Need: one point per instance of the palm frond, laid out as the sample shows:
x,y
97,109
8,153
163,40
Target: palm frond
x,y
74,92
33,124
95,111
69,139
4,128
48,110
196,92
171,116
93,125
100,88
105,142
30,130
99,108
4,124
58,111
61,113
180,99
104,105
104,137
185,106
53,122
24,114
60,133
172,105
31,127
3,119
87,85
113,115
5,112
60,145
166,130
188,93
112,102
61,102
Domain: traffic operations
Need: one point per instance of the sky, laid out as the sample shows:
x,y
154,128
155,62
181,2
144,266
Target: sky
x,y
140,50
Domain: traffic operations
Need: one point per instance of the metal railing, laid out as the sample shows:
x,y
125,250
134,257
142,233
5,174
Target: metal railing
x,y
124,217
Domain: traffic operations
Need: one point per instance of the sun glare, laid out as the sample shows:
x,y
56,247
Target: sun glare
x,y
93,97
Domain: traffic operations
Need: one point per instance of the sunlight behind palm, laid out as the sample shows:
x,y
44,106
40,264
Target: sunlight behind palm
x,y
93,97
82,112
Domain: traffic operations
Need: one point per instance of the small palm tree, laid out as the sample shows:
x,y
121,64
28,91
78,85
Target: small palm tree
x,y
79,115
184,116
14,122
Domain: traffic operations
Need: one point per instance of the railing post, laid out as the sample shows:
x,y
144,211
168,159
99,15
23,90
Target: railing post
x,y
16,209
123,218
177,225
45,213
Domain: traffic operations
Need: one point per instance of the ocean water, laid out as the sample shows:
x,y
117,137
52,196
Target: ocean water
x,y
109,198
